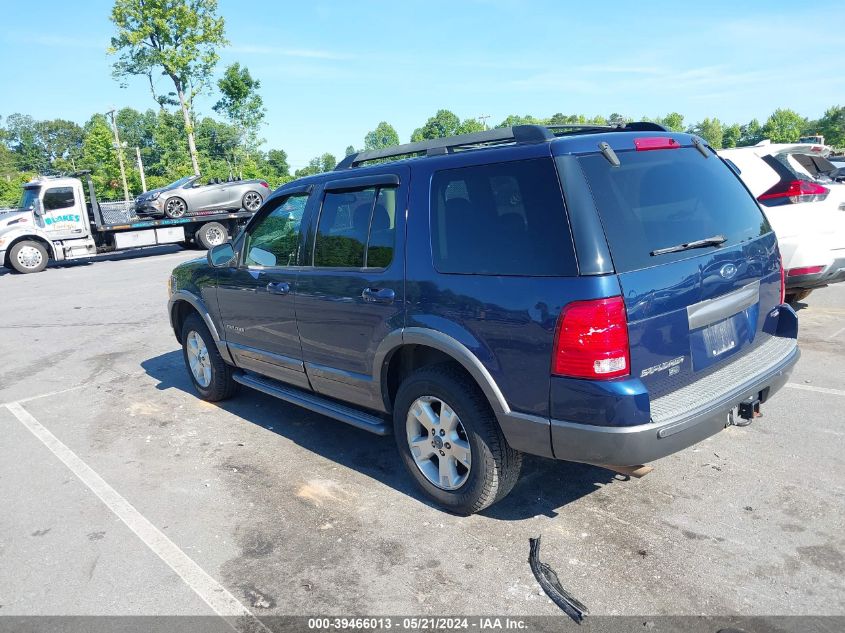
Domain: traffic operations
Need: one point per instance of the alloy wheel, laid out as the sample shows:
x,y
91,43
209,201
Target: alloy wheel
x,y
252,201
198,359
438,443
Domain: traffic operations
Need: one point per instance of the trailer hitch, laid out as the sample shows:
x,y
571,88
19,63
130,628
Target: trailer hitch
x,y
746,411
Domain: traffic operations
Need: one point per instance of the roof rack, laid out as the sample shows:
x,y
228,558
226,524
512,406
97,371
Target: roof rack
x,y
515,134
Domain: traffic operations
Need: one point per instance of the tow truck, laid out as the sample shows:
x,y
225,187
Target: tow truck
x,y
55,223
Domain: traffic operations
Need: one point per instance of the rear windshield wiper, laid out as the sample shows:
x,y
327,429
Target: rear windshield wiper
x,y
716,240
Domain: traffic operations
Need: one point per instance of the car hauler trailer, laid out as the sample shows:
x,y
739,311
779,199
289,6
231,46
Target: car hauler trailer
x,y
54,222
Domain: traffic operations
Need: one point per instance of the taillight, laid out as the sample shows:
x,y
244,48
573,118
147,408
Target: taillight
x,y
591,340
782,280
265,185
795,191
644,144
804,270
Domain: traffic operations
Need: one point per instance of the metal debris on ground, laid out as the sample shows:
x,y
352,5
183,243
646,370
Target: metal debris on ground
x,y
550,583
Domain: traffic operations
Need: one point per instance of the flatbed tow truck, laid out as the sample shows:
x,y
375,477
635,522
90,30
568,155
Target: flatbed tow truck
x,y
55,223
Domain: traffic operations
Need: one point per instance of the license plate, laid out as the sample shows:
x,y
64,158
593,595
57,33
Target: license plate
x,y
720,337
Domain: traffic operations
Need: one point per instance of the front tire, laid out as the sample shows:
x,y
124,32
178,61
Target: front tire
x,y
28,256
211,376
175,208
450,441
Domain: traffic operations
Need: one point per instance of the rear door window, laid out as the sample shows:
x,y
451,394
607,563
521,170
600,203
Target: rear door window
x,y
501,219
659,199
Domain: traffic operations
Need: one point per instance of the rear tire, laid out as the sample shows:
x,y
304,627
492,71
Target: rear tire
x,y
28,256
211,234
494,466
252,201
211,376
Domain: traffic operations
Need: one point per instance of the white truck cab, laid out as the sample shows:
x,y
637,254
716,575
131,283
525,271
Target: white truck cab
x,y
51,223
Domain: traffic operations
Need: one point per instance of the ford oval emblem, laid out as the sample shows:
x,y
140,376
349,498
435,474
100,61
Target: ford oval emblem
x,y
728,271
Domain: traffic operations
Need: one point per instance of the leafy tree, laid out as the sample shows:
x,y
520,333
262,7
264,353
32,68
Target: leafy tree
x,y
23,141
350,150
317,165
179,39
674,122
752,133
278,161
617,119
468,126
241,103
731,135
443,123
710,130
99,156
784,126
832,126
515,119
384,135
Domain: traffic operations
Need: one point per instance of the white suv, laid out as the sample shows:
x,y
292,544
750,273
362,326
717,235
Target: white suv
x,y
806,212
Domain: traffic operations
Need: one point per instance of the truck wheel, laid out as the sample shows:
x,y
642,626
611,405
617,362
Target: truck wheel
x,y
450,441
211,376
252,201
175,208
211,234
28,257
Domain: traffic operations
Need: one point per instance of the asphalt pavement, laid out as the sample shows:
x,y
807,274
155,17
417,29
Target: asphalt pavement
x,y
123,493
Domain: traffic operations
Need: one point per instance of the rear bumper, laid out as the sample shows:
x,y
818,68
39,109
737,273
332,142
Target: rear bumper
x,y
627,446
834,273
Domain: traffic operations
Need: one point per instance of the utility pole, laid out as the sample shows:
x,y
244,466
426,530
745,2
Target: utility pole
x,y
482,118
141,169
119,149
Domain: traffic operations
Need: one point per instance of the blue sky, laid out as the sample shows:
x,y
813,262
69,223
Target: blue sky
x,y
330,71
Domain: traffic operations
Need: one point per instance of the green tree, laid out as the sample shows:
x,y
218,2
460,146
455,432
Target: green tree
x,y
832,126
350,150
278,161
317,165
731,135
99,156
443,123
241,103
22,139
515,119
710,130
177,38
784,126
674,122
384,135
752,133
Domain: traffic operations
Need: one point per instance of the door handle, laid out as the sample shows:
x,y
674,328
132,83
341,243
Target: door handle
x,y
378,295
278,288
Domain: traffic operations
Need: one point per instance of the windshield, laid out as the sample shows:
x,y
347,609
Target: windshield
x,y
179,183
30,195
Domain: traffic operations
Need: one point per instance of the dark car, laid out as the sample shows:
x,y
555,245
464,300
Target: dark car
x,y
191,195
599,295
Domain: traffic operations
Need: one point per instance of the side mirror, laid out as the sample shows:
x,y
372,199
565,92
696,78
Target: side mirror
x,y
221,255
37,208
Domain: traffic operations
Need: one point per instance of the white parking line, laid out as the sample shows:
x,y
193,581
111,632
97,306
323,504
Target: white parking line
x,y
833,392
835,334
213,593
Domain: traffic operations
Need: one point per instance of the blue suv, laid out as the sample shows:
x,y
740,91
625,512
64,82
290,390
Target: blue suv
x,y
607,295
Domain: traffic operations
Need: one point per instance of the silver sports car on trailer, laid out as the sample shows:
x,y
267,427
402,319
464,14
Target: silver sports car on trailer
x,y
190,195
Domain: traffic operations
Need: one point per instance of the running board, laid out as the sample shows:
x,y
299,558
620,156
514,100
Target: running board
x,y
315,402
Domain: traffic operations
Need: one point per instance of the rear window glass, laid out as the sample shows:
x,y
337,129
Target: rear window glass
x,y
659,199
501,219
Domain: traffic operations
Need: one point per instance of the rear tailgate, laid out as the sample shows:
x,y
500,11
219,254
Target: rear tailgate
x,y
691,311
